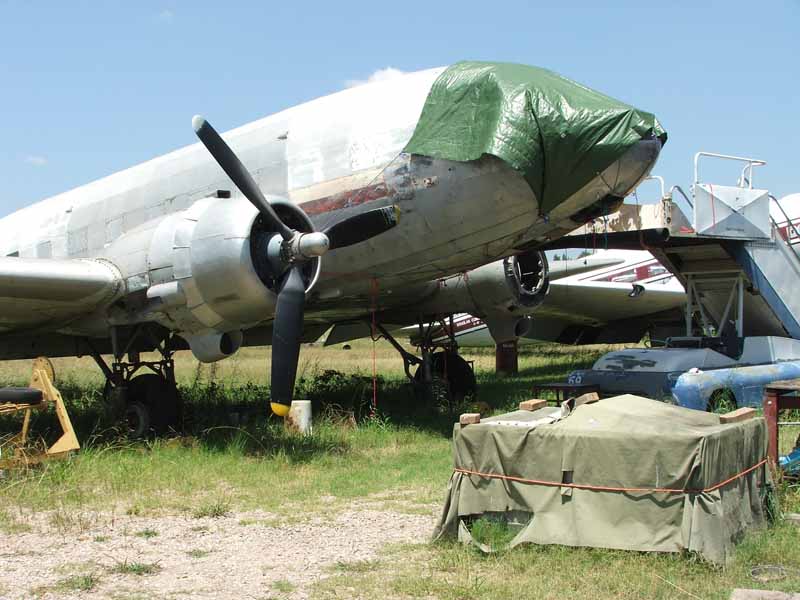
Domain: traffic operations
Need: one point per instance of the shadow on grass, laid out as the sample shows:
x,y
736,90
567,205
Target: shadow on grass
x,y
272,440
230,417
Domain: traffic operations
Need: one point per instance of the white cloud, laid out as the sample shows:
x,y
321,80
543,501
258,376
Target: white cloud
x,y
165,16
379,75
36,161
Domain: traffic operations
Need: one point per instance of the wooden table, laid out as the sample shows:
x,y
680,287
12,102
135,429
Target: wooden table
x,y
564,391
778,396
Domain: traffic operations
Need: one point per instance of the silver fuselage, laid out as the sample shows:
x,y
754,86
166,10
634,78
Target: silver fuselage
x,y
161,221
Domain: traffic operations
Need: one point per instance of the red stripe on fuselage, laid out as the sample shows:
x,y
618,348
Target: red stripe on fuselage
x,y
346,199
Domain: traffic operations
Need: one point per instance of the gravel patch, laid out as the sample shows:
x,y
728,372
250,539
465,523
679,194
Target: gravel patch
x,y
240,555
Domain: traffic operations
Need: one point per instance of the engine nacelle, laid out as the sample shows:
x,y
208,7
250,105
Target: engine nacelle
x,y
209,270
512,287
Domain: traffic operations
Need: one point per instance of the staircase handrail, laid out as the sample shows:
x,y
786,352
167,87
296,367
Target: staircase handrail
x,y
788,220
751,162
685,197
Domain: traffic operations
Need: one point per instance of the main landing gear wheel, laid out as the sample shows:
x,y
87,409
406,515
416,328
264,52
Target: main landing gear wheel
x,y
148,403
137,418
452,381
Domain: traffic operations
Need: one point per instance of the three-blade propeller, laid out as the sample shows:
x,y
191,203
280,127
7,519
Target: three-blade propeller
x,y
296,248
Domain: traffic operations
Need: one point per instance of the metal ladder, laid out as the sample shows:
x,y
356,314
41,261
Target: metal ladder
x,y
738,265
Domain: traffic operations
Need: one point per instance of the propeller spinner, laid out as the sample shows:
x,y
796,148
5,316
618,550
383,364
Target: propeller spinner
x,y
291,250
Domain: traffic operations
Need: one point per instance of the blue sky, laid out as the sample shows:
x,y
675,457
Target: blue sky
x,y
88,88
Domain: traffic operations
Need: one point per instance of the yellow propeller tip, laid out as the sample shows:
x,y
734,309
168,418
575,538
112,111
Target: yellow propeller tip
x,y
279,409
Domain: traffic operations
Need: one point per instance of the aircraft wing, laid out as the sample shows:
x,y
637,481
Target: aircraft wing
x,y
607,312
42,291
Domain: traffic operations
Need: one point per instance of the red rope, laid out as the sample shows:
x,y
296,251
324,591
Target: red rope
x,y
602,488
374,293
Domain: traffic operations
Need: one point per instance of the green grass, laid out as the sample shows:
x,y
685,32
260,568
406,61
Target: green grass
x,y
146,533
197,553
283,586
134,568
450,571
213,509
403,454
494,533
79,583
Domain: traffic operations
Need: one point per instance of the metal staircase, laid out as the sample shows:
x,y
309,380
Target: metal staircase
x,y
739,266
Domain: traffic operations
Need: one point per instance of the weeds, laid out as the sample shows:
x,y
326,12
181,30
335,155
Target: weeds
x,y
126,567
213,509
79,583
253,463
358,566
493,533
284,586
146,533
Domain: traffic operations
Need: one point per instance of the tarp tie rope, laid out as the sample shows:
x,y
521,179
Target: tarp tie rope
x,y
603,488
373,288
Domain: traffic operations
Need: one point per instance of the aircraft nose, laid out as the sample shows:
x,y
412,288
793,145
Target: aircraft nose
x,y
575,147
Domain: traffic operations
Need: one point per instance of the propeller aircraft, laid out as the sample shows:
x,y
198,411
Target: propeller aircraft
x,y
346,208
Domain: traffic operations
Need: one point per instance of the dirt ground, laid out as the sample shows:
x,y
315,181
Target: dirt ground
x,y
238,555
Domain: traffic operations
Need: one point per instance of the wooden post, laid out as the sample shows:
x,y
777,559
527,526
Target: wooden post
x,y
771,417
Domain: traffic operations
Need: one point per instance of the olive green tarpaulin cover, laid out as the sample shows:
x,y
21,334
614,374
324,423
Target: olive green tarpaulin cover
x,y
624,442
558,133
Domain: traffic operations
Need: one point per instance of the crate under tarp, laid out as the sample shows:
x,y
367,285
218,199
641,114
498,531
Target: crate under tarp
x,y
624,472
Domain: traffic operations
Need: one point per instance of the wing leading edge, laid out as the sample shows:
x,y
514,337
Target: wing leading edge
x,y
39,291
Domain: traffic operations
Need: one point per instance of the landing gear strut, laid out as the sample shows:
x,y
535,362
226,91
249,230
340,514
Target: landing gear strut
x,y
143,402
442,378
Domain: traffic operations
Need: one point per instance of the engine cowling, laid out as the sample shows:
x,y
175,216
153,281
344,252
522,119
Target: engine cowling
x,y
503,293
209,273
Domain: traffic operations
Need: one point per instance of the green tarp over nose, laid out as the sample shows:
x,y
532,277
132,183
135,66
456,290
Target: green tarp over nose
x,y
558,133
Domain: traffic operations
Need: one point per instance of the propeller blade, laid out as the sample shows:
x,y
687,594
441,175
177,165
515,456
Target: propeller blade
x,y
361,227
286,331
240,176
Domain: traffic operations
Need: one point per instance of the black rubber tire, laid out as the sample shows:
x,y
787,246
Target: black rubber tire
x,y
20,395
160,397
137,419
452,372
114,402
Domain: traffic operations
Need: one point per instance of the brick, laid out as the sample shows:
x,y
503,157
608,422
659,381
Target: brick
x,y
470,418
740,414
533,404
586,398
